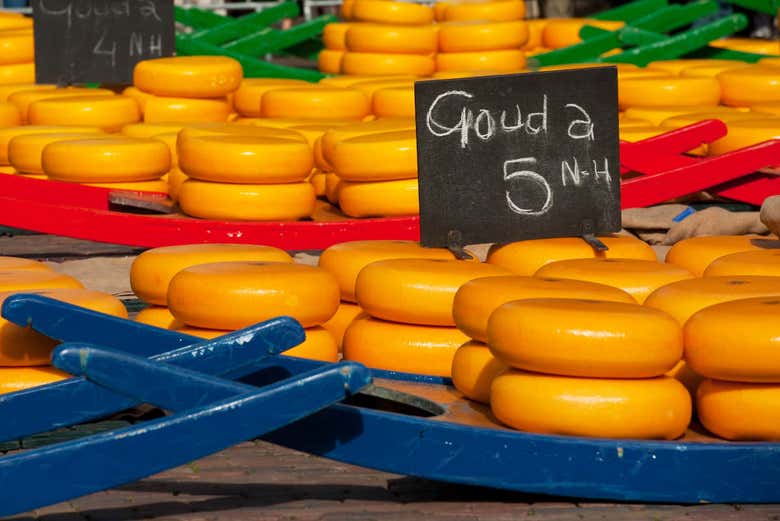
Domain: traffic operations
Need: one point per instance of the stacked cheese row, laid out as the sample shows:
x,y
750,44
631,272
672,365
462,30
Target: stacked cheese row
x,y
17,52
209,290
25,354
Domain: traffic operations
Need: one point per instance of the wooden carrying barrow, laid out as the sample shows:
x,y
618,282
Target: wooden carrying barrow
x,y
237,387
91,213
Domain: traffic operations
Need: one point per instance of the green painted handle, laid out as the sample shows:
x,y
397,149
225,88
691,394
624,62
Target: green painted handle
x,y
253,67
247,25
260,44
631,11
681,44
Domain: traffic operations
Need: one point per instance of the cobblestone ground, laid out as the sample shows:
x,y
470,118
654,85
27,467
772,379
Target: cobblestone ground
x,y
260,481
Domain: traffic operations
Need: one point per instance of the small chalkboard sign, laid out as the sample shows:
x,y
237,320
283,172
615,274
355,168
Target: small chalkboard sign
x,y
85,41
521,156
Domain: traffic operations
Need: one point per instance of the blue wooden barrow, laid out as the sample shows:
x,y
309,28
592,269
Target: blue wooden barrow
x,y
401,423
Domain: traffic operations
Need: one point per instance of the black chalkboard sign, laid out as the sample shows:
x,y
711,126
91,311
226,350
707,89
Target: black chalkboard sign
x,y
521,156
85,41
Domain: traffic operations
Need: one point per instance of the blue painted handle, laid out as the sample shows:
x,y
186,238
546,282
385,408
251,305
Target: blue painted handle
x,y
45,476
75,400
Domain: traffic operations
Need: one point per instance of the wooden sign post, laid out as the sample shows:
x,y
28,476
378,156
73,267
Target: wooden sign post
x,y
100,41
521,156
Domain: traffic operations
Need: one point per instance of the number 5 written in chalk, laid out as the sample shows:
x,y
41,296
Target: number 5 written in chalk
x,y
514,170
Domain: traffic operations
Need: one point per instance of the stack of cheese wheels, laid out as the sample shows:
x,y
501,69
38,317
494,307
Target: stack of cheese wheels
x,y
245,173
734,345
246,100
527,257
599,365
186,88
29,157
168,133
25,354
668,90
108,112
24,97
315,102
483,37
107,161
334,37
474,366
383,38
409,325
17,54
345,260
324,157
211,299
152,271
370,188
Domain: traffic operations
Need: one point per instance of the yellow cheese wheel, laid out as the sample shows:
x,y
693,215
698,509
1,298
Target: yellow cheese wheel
x,y
314,103
740,411
23,99
17,73
696,253
189,76
171,139
563,32
387,64
9,89
110,113
161,109
416,291
628,123
750,85
634,134
351,79
393,102
757,262
751,45
18,263
473,369
683,299
338,323
16,47
152,271
482,36
379,199
158,186
383,38
24,152
657,115
286,123
402,347
337,134
9,115
317,180
329,61
158,316
319,345
746,132
346,9
478,298
452,75
332,186
21,346
233,295
247,202
591,338
14,21
106,160
334,35
355,159
312,131
176,178
13,379
392,12
535,32
245,159
736,341
139,96
636,277
653,408
369,88
644,92
22,280
526,257
501,11
712,70
319,159
151,129
247,98
8,133
500,61
232,129
345,260
678,67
